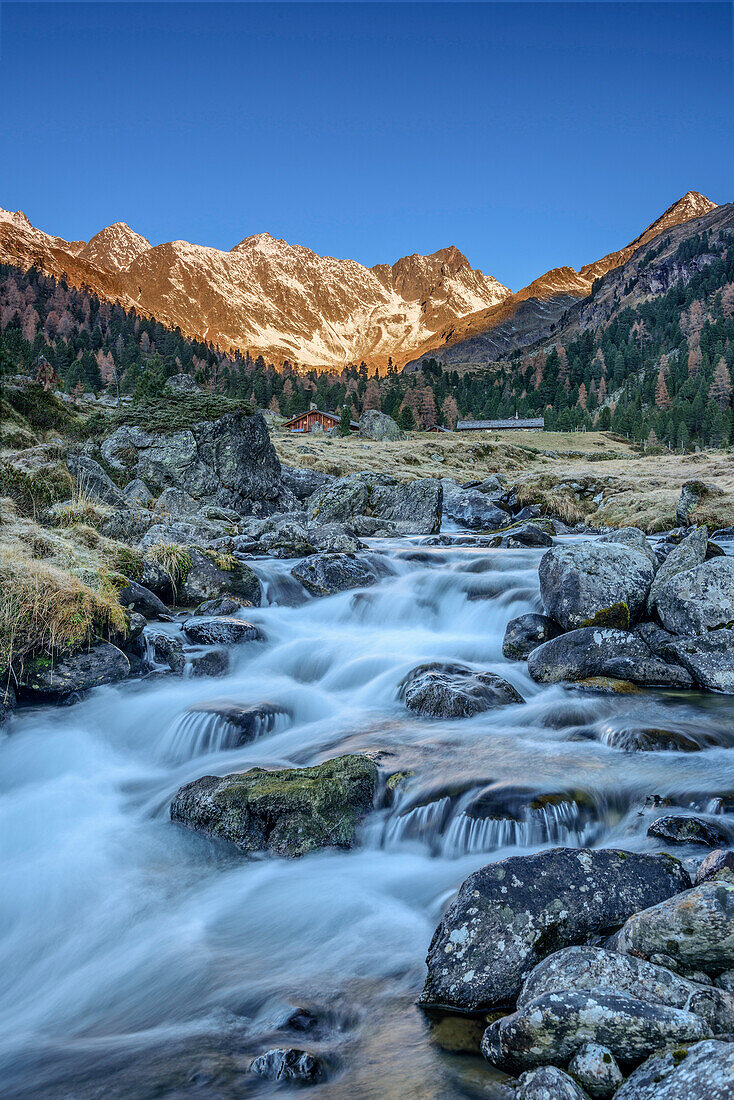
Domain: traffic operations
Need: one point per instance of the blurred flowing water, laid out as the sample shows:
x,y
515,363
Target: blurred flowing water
x,y
138,959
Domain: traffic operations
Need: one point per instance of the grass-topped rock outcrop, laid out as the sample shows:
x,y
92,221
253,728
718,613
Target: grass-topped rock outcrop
x,y
287,812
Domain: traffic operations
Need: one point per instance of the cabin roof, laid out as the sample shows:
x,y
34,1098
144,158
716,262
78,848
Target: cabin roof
x,y
494,425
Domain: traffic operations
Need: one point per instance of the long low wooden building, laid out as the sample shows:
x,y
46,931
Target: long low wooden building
x,y
513,424
317,421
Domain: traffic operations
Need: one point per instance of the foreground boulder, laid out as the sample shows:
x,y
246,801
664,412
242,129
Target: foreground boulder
x,y
471,507
287,1064
603,652
594,584
229,461
708,658
326,574
102,663
551,1028
379,426
438,690
526,633
593,968
509,915
288,812
702,1071
696,928
698,600
720,861
412,507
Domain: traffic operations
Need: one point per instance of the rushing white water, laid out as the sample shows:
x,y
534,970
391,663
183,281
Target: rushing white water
x,y
138,959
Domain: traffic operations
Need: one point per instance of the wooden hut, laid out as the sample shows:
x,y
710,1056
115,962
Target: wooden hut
x,y
534,424
316,421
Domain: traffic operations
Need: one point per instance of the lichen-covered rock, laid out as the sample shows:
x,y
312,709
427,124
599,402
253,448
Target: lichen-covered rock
x,y
175,502
603,652
681,829
509,915
137,492
691,495
288,1064
182,383
593,968
91,480
526,633
289,540
129,524
378,425
686,555
584,584
412,507
326,574
700,1071
102,663
211,575
548,1083
695,927
708,658
551,1028
633,537
221,630
471,507
288,812
717,862
698,600
596,1070
229,461
191,531
438,690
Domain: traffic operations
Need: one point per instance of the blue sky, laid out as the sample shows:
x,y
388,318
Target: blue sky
x,y
528,135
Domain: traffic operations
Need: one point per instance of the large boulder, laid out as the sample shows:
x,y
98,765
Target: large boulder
x,y
700,1071
229,461
102,663
471,507
698,600
696,928
439,690
288,812
602,652
379,426
686,555
551,1028
412,507
509,915
594,584
182,383
633,537
591,968
211,575
526,633
327,574
709,658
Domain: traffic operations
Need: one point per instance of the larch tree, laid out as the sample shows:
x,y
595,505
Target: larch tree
x,y
720,388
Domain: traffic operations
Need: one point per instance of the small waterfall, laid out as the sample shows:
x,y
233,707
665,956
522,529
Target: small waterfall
x,y
205,730
448,830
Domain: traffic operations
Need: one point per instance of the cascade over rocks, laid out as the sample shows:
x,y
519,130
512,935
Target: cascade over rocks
x,y
509,915
229,461
438,690
554,1026
594,584
288,812
412,507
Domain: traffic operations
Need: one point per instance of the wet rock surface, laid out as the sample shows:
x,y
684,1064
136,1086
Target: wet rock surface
x,y
327,574
511,914
288,812
102,663
211,576
438,690
288,1064
471,507
719,861
687,830
603,652
221,630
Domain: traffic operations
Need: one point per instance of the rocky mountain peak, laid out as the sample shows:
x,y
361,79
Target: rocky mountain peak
x,y
115,247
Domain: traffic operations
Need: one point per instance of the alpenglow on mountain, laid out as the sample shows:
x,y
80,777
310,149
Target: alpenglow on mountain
x,y
264,295
285,302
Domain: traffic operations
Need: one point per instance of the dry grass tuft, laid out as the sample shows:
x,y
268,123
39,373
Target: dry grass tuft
x,y
175,560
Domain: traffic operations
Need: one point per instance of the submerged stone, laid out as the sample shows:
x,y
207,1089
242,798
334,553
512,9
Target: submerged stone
x,y
687,830
287,1064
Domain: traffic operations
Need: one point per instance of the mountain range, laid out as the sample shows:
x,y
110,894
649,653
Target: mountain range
x,y
285,302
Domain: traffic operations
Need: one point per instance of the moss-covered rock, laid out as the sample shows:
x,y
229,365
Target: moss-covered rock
x,y
288,812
